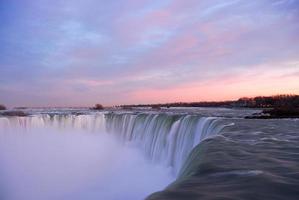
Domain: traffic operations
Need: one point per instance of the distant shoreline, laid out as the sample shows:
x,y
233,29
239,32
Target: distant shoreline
x,y
245,102
279,106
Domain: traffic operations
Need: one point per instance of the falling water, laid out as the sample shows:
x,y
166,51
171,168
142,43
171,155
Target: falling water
x,y
165,140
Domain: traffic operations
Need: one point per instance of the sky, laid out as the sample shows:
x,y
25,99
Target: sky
x,y
82,52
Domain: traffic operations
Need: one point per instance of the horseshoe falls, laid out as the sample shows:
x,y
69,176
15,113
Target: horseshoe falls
x,y
142,153
164,139
115,155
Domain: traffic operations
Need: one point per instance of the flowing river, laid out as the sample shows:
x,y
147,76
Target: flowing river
x,y
158,155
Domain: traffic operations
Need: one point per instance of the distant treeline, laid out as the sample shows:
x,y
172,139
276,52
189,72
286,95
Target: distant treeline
x,y
270,101
2,107
256,102
184,104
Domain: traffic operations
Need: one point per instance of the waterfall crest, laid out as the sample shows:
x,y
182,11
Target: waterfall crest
x,y
163,138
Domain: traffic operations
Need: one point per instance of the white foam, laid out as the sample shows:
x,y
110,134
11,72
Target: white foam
x,y
47,163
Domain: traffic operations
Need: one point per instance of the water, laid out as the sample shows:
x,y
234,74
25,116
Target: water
x,y
203,154
166,139
42,161
254,159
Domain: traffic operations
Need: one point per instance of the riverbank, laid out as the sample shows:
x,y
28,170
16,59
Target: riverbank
x,y
276,113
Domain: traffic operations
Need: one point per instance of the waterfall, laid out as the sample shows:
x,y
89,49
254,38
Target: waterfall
x,y
163,138
92,123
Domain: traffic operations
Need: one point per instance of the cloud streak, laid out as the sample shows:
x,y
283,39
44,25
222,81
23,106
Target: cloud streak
x,y
131,51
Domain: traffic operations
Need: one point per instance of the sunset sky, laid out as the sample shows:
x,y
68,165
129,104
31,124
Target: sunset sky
x,y
82,52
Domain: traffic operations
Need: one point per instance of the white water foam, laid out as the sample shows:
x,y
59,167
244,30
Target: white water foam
x,y
54,164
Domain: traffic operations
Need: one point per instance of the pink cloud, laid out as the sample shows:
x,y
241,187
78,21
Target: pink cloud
x,y
226,87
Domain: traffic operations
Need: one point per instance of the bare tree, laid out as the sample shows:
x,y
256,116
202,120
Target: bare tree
x,y
98,107
2,107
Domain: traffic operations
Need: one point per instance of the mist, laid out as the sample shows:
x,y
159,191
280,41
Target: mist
x,y
49,163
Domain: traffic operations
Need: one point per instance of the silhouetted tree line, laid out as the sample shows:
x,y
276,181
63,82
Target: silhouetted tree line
x,y
2,107
256,102
269,102
183,104
98,107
